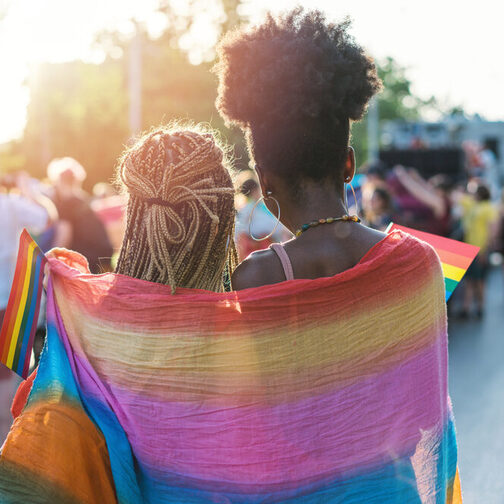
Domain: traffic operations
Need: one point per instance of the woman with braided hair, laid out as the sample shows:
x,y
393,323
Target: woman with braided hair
x,y
180,219
180,216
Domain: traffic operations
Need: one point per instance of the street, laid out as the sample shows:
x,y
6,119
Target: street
x,y
477,391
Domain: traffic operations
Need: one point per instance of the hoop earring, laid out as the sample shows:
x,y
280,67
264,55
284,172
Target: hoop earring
x,y
354,197
262,199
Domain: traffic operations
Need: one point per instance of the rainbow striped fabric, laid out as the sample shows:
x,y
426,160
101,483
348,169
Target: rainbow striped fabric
x,y
455,256
20,321
331,390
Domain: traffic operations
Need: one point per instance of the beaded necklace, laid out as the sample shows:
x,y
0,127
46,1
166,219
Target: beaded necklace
x,y
329,220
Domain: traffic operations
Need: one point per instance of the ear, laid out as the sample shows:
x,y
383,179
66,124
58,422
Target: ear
x,y
349,170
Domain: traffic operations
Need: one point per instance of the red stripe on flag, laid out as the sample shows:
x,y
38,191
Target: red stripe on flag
x,y
457,260
447,244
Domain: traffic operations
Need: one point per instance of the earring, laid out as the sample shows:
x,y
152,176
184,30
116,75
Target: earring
x,y
356,203
262,199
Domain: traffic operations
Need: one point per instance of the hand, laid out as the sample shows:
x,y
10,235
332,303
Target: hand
x,y
399,171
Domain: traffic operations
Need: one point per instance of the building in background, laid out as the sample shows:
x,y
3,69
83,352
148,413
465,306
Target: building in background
x,y
448,134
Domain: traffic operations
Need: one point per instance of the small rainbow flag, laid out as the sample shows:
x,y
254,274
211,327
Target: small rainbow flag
x,y
20,321
455,256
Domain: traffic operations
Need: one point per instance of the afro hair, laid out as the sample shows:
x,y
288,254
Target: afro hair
x,y
294,83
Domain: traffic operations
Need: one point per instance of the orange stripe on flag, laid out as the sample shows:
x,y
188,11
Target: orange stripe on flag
x,y
457,260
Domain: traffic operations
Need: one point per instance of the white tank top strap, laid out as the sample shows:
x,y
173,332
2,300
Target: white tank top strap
x,y
284,259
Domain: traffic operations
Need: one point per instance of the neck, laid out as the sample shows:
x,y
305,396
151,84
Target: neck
x,y
315,202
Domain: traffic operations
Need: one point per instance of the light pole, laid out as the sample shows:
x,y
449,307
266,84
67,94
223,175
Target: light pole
x,y
135,83
373,127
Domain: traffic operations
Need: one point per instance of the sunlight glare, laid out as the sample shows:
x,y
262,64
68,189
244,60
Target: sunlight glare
x,y
456,61
53,31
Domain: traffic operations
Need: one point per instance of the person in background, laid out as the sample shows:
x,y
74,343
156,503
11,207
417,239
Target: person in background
x,y
110,207
262,223
472,156
377,203
479,223
20,207
428,201
490,171
103,190
501,222
378,210
376,173
79,228
418,143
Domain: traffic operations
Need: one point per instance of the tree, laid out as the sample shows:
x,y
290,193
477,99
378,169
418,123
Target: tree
x,y
81,110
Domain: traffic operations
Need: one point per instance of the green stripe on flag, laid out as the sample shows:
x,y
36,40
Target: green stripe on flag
x,y
450,284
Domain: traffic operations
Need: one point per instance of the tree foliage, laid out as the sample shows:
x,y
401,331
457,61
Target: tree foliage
x,y
81,109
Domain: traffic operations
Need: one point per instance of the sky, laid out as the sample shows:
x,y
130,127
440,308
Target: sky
x,y
452,49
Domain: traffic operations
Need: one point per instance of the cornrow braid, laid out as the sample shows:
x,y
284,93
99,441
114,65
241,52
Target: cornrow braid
x,y
180,216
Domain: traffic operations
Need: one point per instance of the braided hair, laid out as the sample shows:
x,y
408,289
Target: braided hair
x,y
180,217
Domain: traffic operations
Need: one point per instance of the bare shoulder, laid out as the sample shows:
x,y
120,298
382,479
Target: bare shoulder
x,y
259,268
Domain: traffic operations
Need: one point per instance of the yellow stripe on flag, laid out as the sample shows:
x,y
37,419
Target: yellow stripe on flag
x,y
453,272
20,308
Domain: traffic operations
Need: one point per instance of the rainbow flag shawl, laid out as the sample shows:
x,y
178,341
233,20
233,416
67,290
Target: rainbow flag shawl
x,y
309,391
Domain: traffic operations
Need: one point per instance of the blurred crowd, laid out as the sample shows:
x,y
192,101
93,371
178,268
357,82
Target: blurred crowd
x,y
467,207
59,213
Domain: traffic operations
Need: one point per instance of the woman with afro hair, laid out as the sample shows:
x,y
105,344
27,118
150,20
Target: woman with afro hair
x,y
294,84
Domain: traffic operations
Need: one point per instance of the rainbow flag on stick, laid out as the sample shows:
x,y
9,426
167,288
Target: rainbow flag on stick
x,y
20,321
455,256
